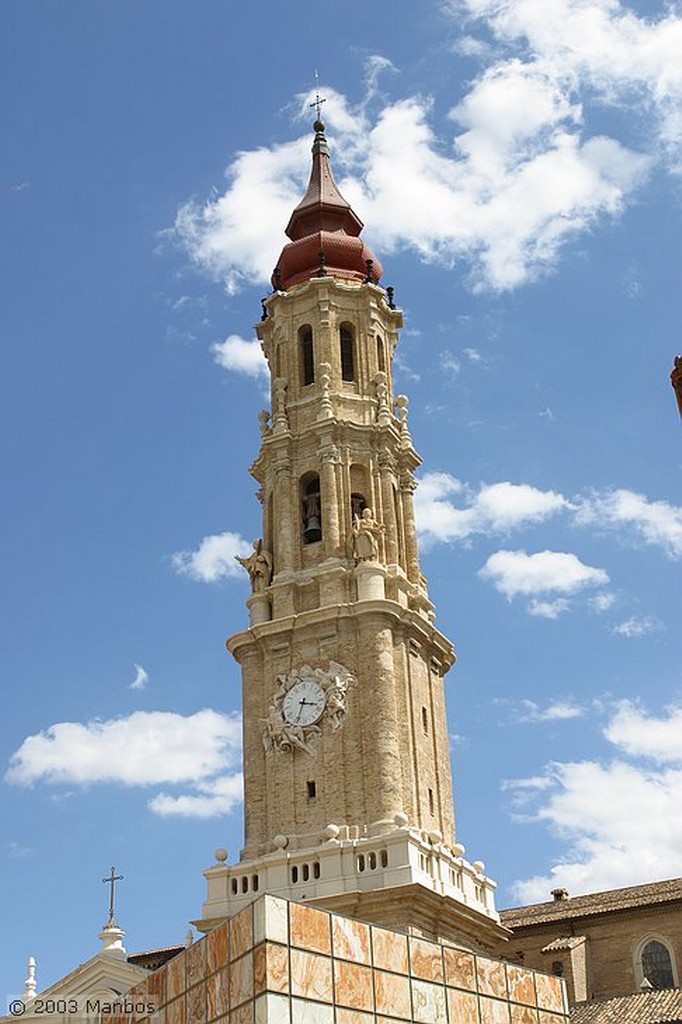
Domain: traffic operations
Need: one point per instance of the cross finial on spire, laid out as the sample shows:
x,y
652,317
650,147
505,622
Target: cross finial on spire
x,y
112,879
318,99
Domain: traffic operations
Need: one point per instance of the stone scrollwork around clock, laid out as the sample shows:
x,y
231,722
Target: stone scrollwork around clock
x,y
304,700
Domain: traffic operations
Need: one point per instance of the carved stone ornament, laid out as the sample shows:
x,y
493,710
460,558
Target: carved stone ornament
x,y
304,699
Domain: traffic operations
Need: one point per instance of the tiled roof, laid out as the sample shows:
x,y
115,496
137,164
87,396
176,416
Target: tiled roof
x,y
152,959
594,903
564,942
659,1007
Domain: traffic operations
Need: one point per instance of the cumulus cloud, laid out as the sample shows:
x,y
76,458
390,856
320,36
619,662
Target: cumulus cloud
x,y
214,559
211,800
493,509
522,174
515,573
655,522
241,356
199,752
641,734
589,805
141,678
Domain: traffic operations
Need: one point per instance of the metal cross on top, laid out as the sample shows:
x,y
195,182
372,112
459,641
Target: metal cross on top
x,y
318,100
112,879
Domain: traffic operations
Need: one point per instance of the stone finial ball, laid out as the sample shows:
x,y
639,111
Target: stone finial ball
x,y
280,842
400,819
220,855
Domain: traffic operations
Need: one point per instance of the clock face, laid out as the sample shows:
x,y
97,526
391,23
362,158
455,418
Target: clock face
x,y
304,704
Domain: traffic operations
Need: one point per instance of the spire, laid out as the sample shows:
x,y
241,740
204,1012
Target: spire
x,y
324,229
30,983
322,208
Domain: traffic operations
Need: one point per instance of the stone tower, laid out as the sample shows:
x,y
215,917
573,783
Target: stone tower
x,y
347,783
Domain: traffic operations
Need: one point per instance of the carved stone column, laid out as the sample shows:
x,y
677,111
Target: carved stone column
x,y
408,486
330,501
388,509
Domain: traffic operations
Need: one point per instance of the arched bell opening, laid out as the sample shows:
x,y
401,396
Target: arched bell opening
x,y
347,346
306,355
311,508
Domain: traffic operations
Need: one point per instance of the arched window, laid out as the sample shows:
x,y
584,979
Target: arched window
x,y
357,505
311,510
656,964
346,340
307,357
381,359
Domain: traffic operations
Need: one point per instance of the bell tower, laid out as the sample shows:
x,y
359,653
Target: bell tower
x,y
347,783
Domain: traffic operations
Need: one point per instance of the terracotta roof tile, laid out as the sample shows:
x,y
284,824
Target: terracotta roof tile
x,y
660,1007
595,903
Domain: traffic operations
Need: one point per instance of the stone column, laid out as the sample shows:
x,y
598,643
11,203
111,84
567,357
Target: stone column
x,y
408,486
286,526
381,734
330,501
388,510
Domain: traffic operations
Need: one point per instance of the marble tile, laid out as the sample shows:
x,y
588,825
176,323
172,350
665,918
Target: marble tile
x,y
350,940
492,980
524,1015
241,980
344,1016
244,1015
550,993
390,950
195,963
428,1002
310,928
521,985
311,976
552,1018
157,985
175,1011
272,1009
196,1004
392,993
426,960
353,985
271,968
217,994
304,1012
463,1007
270,920
241,932
460,968
216,948
175,984
493,1011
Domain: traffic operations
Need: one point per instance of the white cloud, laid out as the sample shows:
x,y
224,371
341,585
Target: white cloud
x,y
620,820
602,602
640,734
143,749
637,626
548,609
214,559
496,508
449,363
515,573
557,711
655,522
212,799
141,678
241,356
521,177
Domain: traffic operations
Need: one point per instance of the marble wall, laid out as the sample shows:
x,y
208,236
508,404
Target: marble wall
x,y
277,962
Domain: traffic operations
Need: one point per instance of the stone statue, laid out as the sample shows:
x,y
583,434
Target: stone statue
x,y
365,536
259,567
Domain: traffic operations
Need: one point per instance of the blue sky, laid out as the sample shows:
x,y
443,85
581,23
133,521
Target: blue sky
x,y
517,166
